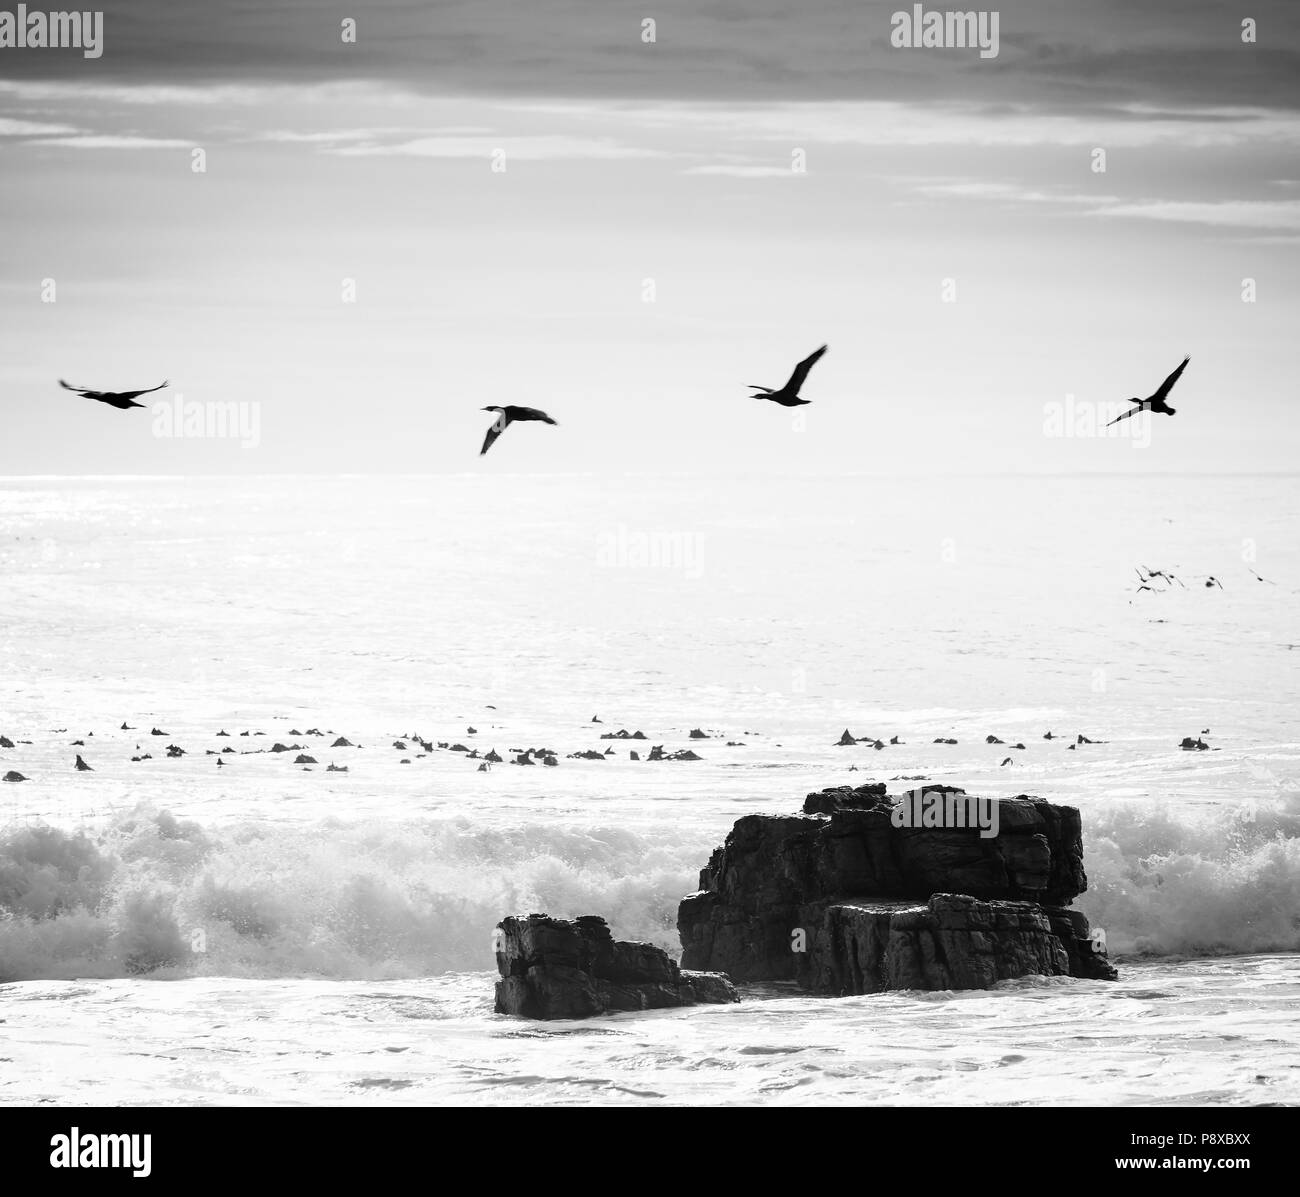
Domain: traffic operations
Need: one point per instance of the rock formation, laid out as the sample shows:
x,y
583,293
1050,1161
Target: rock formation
x,y
843,900
552,968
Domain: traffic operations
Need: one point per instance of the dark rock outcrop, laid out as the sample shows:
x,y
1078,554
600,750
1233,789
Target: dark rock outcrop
x,y
802,897
553,968
950,942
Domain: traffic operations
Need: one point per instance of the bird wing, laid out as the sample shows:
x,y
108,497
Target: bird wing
x,y
497,428
1132,411
801,370
67,386
1168,384
147,391
532,413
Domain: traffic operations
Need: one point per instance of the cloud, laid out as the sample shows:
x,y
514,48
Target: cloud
x,y
737,171
20,128
525,148
1054,57
1246,214
1011,192
106,141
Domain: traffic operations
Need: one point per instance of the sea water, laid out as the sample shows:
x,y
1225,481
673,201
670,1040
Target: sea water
x,y
173,931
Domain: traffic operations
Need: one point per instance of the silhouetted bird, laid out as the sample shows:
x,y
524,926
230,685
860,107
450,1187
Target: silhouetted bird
x,y
119,399
510,415
788,395
1155,402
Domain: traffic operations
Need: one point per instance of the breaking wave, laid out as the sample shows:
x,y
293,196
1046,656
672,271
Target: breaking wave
x,y
157,895
1167,883
151,894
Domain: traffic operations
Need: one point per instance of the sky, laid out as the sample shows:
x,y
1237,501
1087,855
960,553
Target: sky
x,y
482,203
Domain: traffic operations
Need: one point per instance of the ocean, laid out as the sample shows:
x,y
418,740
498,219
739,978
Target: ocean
x,y
175,932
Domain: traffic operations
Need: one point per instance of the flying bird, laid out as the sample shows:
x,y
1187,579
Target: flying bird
x,y
118,399
1154,402
788,395
510,415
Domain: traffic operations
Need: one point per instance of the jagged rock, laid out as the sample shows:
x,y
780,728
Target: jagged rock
x,y
844,798
846,740
14,775
778,873
950,942
303,759
6,742
698,734
1190,745
553,968
342,742
941,740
